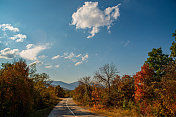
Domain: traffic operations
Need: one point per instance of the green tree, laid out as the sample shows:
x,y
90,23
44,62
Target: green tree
x,y
173,46
156,61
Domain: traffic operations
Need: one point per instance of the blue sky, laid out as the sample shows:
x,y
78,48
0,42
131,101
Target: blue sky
x,y
71,39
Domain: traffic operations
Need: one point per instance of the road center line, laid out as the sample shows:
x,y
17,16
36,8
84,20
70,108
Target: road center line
x,y
70,109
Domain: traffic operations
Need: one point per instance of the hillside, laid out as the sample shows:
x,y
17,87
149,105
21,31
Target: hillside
x,y
68,86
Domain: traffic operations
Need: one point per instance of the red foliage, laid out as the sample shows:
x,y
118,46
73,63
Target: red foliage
x,y
141,79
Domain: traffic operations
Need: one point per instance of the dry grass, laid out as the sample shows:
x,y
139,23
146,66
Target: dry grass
x,y
112,112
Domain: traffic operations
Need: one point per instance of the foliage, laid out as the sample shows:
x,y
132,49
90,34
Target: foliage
x,y
23,91
59,91
151,91
122,91
156,61
83,92
106,75
173,46
15,90
166,100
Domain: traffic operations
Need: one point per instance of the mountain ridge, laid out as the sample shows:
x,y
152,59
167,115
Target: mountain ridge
x,y
66,86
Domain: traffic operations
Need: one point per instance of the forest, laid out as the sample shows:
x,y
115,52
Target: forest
x,y
23,91
150,92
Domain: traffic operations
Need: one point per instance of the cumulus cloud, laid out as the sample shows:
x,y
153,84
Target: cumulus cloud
x,y
90,16
8,53
31,53
78,63
55,57
9,27
48,66
19,37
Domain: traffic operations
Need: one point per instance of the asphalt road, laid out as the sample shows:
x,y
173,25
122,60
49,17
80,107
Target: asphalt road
x,y
67,108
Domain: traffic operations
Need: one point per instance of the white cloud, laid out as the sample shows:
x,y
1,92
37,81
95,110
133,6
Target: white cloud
x,y
93,32
31,53
42,56
9,27
19,37
90,16
29,46
48,66
70,56
56,66
78,63
55,57
77,59
78,55
85,57
8,53
36,62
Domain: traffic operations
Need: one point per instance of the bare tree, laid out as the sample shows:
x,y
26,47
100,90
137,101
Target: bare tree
x,y
105,75
86,82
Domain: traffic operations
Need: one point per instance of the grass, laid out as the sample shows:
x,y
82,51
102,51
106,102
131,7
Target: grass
x,y
41,113
116,112
112,112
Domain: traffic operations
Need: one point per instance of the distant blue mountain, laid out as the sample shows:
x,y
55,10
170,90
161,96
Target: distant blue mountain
x,y
67,86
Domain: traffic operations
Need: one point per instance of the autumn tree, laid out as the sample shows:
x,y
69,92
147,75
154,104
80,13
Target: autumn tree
x,y
59,91
86,82
144,90
40,89
106,75
122,90
166,103
16,97
79,94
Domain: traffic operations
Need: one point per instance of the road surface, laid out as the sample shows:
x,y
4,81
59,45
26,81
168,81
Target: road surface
x,y
67,108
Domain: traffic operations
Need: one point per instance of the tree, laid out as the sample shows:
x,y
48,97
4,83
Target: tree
x,y
106,75
16,97
144,90
167,92
122,90
142,79
156,61
86,82
173,47
59,91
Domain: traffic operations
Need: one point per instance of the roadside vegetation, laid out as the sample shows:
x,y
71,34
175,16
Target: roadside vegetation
x,y
150,92
25,93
